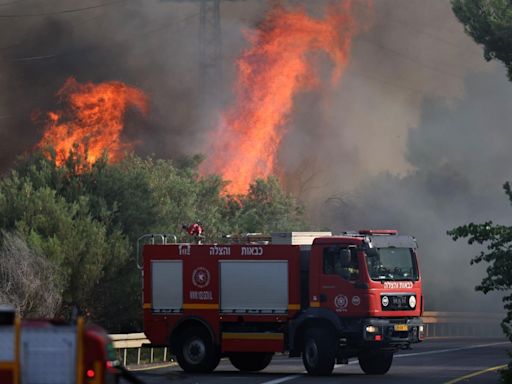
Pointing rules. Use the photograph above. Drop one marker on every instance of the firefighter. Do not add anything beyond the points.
(345, 266)
(195, 230)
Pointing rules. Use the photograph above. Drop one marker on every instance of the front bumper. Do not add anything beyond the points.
(394, 332)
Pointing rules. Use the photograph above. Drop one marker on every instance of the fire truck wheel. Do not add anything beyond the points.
(319, 353)
(376, 363)
(196, 352)
(251, 361)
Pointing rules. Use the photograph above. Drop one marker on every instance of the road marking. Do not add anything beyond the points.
(492, 369)
(163, 365)
(351, 362)
(282, 379)
(450, 349)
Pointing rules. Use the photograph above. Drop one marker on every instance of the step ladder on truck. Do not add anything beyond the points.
(51, 352)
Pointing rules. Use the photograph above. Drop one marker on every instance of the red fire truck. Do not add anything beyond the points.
(42, 351)
(323, 297)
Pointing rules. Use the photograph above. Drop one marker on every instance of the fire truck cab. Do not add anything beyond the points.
(323, 297)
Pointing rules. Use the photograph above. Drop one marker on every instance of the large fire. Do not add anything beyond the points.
(92, 120)
(270, 73)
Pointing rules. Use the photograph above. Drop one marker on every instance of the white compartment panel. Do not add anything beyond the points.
(167, 287)
(254, 285)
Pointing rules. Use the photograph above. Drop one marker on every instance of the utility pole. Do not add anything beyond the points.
(210, 49)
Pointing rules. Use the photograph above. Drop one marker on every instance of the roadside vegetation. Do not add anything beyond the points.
(68, 233)
(496, 241)
(489, 23)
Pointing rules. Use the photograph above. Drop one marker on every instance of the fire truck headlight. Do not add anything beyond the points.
(385, 301)
(371, 329)
(412, 301)
(421, 328)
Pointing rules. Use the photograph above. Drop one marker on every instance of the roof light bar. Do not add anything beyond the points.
(371, 232)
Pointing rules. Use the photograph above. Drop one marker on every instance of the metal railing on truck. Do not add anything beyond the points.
(152, 238)
(130, 349)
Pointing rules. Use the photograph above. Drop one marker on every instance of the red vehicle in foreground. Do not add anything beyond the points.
(42, 351)
(323, 297)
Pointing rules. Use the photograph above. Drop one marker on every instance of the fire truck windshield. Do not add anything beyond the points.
(392, 264)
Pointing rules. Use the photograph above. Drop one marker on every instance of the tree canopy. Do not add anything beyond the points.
(488, 22)
(82, 222)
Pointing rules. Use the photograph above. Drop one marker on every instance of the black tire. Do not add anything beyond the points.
(196, 352)
(376, 362)
(319, 351)
(251, 361)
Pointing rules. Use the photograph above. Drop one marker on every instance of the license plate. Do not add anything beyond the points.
(399, 301)
(401, 327)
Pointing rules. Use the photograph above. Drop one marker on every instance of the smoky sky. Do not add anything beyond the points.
(151, 45)
(414, 136)
(461, 160)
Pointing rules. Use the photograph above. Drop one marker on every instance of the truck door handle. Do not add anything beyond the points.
(361, 285)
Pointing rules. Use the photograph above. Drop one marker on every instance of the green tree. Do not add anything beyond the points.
(266, 208)
(86, 219)
(496, 241)
(65, 232)
(488, 22)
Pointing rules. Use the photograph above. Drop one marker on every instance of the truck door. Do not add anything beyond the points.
(339, 273)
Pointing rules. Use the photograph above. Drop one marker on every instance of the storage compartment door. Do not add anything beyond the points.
(254, 286)
(167, 285)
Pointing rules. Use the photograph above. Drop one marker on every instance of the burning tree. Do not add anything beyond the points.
(91, 120)
(278, 65)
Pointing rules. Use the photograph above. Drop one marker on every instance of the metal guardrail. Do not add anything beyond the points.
(437, 324)
(134, 341)
(463, 324)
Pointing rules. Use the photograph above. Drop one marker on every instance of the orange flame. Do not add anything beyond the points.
(92, 121)
(270, 73)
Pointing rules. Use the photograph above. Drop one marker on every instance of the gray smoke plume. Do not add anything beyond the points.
(415, 138)
(460, 158)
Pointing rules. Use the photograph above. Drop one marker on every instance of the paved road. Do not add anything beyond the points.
(434, 361)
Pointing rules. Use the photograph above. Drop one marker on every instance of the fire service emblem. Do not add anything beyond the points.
(201, 277)
(341, 302)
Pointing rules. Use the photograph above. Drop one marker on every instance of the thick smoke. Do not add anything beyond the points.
(415, 136)
(148, 44)
(460, 158)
